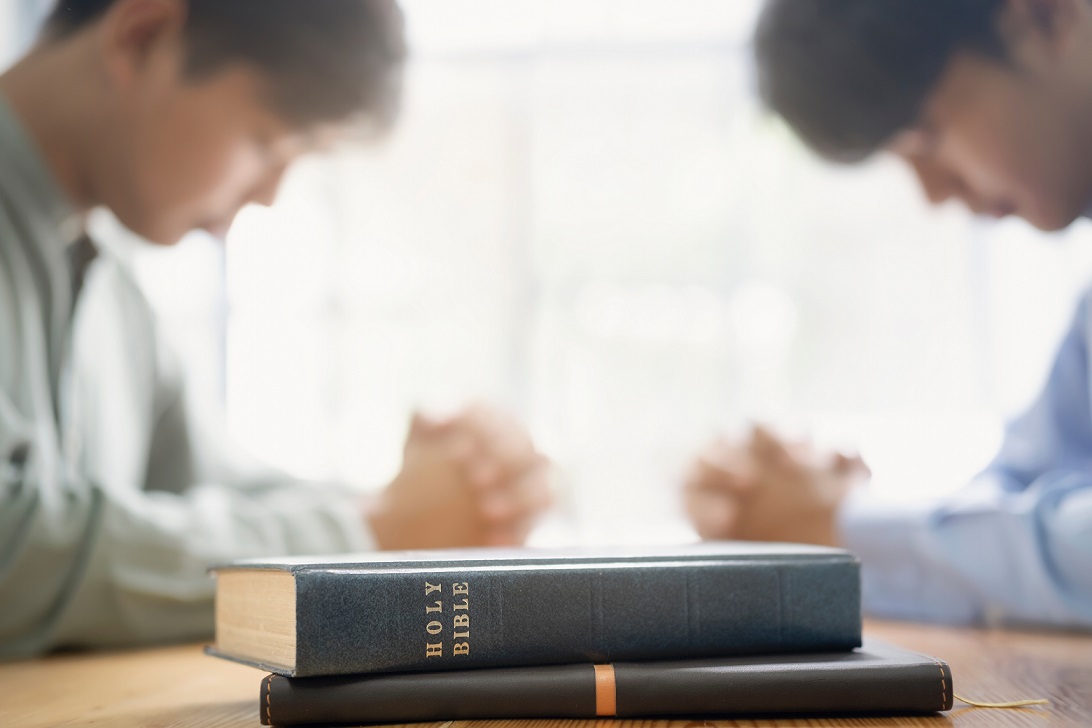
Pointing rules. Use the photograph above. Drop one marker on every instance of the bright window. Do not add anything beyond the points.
(584, 216)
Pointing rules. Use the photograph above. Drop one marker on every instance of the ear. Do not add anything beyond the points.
(1053, 23)
(132, 32)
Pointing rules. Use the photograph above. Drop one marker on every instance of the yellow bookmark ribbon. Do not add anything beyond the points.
(1012, 704)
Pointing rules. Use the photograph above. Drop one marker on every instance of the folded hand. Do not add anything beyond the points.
(472, 479)
(765, 489)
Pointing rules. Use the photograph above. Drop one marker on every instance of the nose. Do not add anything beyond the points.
(265, 194)
(939, 184)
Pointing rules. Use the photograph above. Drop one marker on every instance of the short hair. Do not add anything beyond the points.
(849, 75)
(327, 60)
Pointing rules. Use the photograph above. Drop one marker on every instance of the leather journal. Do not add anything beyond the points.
(876, 678)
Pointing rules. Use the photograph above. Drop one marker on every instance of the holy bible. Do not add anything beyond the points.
(876, 679)
(453, 610)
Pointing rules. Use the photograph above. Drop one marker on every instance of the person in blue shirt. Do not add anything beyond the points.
(990, 103)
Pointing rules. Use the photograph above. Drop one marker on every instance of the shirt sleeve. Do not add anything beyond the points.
(1015, 546)
(86, 565)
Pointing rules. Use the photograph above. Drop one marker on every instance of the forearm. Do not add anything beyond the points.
(104, 571)
(986, 555)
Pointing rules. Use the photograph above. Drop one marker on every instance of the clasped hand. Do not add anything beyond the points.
(765, 489)
(473, 479)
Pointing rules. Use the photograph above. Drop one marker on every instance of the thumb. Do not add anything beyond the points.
(422, 425)
(851, 464)
(767, 447)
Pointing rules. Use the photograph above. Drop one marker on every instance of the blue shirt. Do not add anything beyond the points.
(1015, 546)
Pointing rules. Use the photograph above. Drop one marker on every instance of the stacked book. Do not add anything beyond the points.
(712, 629)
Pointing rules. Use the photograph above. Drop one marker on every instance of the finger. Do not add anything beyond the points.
(494, 470)
(511, 525)
(713, 515)
(486, 472)
(850, 471)
(498, 507)
(479, 463)
(842, 462)
(701, 475)
(724, 454)
(857, 464)
(737, 480)
(525, 496)
(768, 448)
(515, 529)
(423, 425)
(502, 436)
(445, 442)
(802, 450)
(538, 488)
(509, 535)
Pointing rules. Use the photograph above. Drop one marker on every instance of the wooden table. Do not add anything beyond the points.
(179, 686)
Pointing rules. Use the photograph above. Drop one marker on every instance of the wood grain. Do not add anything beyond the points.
(180, 686)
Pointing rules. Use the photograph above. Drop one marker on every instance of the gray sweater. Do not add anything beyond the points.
(113, 503)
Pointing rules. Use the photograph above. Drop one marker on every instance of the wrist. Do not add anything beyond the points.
(827, 531)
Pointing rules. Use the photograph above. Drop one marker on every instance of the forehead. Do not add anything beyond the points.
(970, 85)
(244, 96)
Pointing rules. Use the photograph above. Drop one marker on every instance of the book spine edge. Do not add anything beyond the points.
(838, 633)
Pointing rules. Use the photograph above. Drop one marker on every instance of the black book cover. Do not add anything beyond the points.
(875, 679)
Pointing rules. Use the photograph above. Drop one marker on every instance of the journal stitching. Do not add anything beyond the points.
(943, 683)
(943, 680)
(268, 700)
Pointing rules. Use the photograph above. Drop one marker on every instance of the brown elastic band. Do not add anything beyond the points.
(606, 693)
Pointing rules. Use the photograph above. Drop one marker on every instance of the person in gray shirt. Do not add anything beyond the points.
(174, 114)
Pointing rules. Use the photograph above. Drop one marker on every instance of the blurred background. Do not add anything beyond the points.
(584, 216)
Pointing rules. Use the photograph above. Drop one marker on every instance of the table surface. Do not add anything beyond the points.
(180, 686)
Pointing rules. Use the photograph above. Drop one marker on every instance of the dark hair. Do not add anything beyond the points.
(327, 60)
(848, 75)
